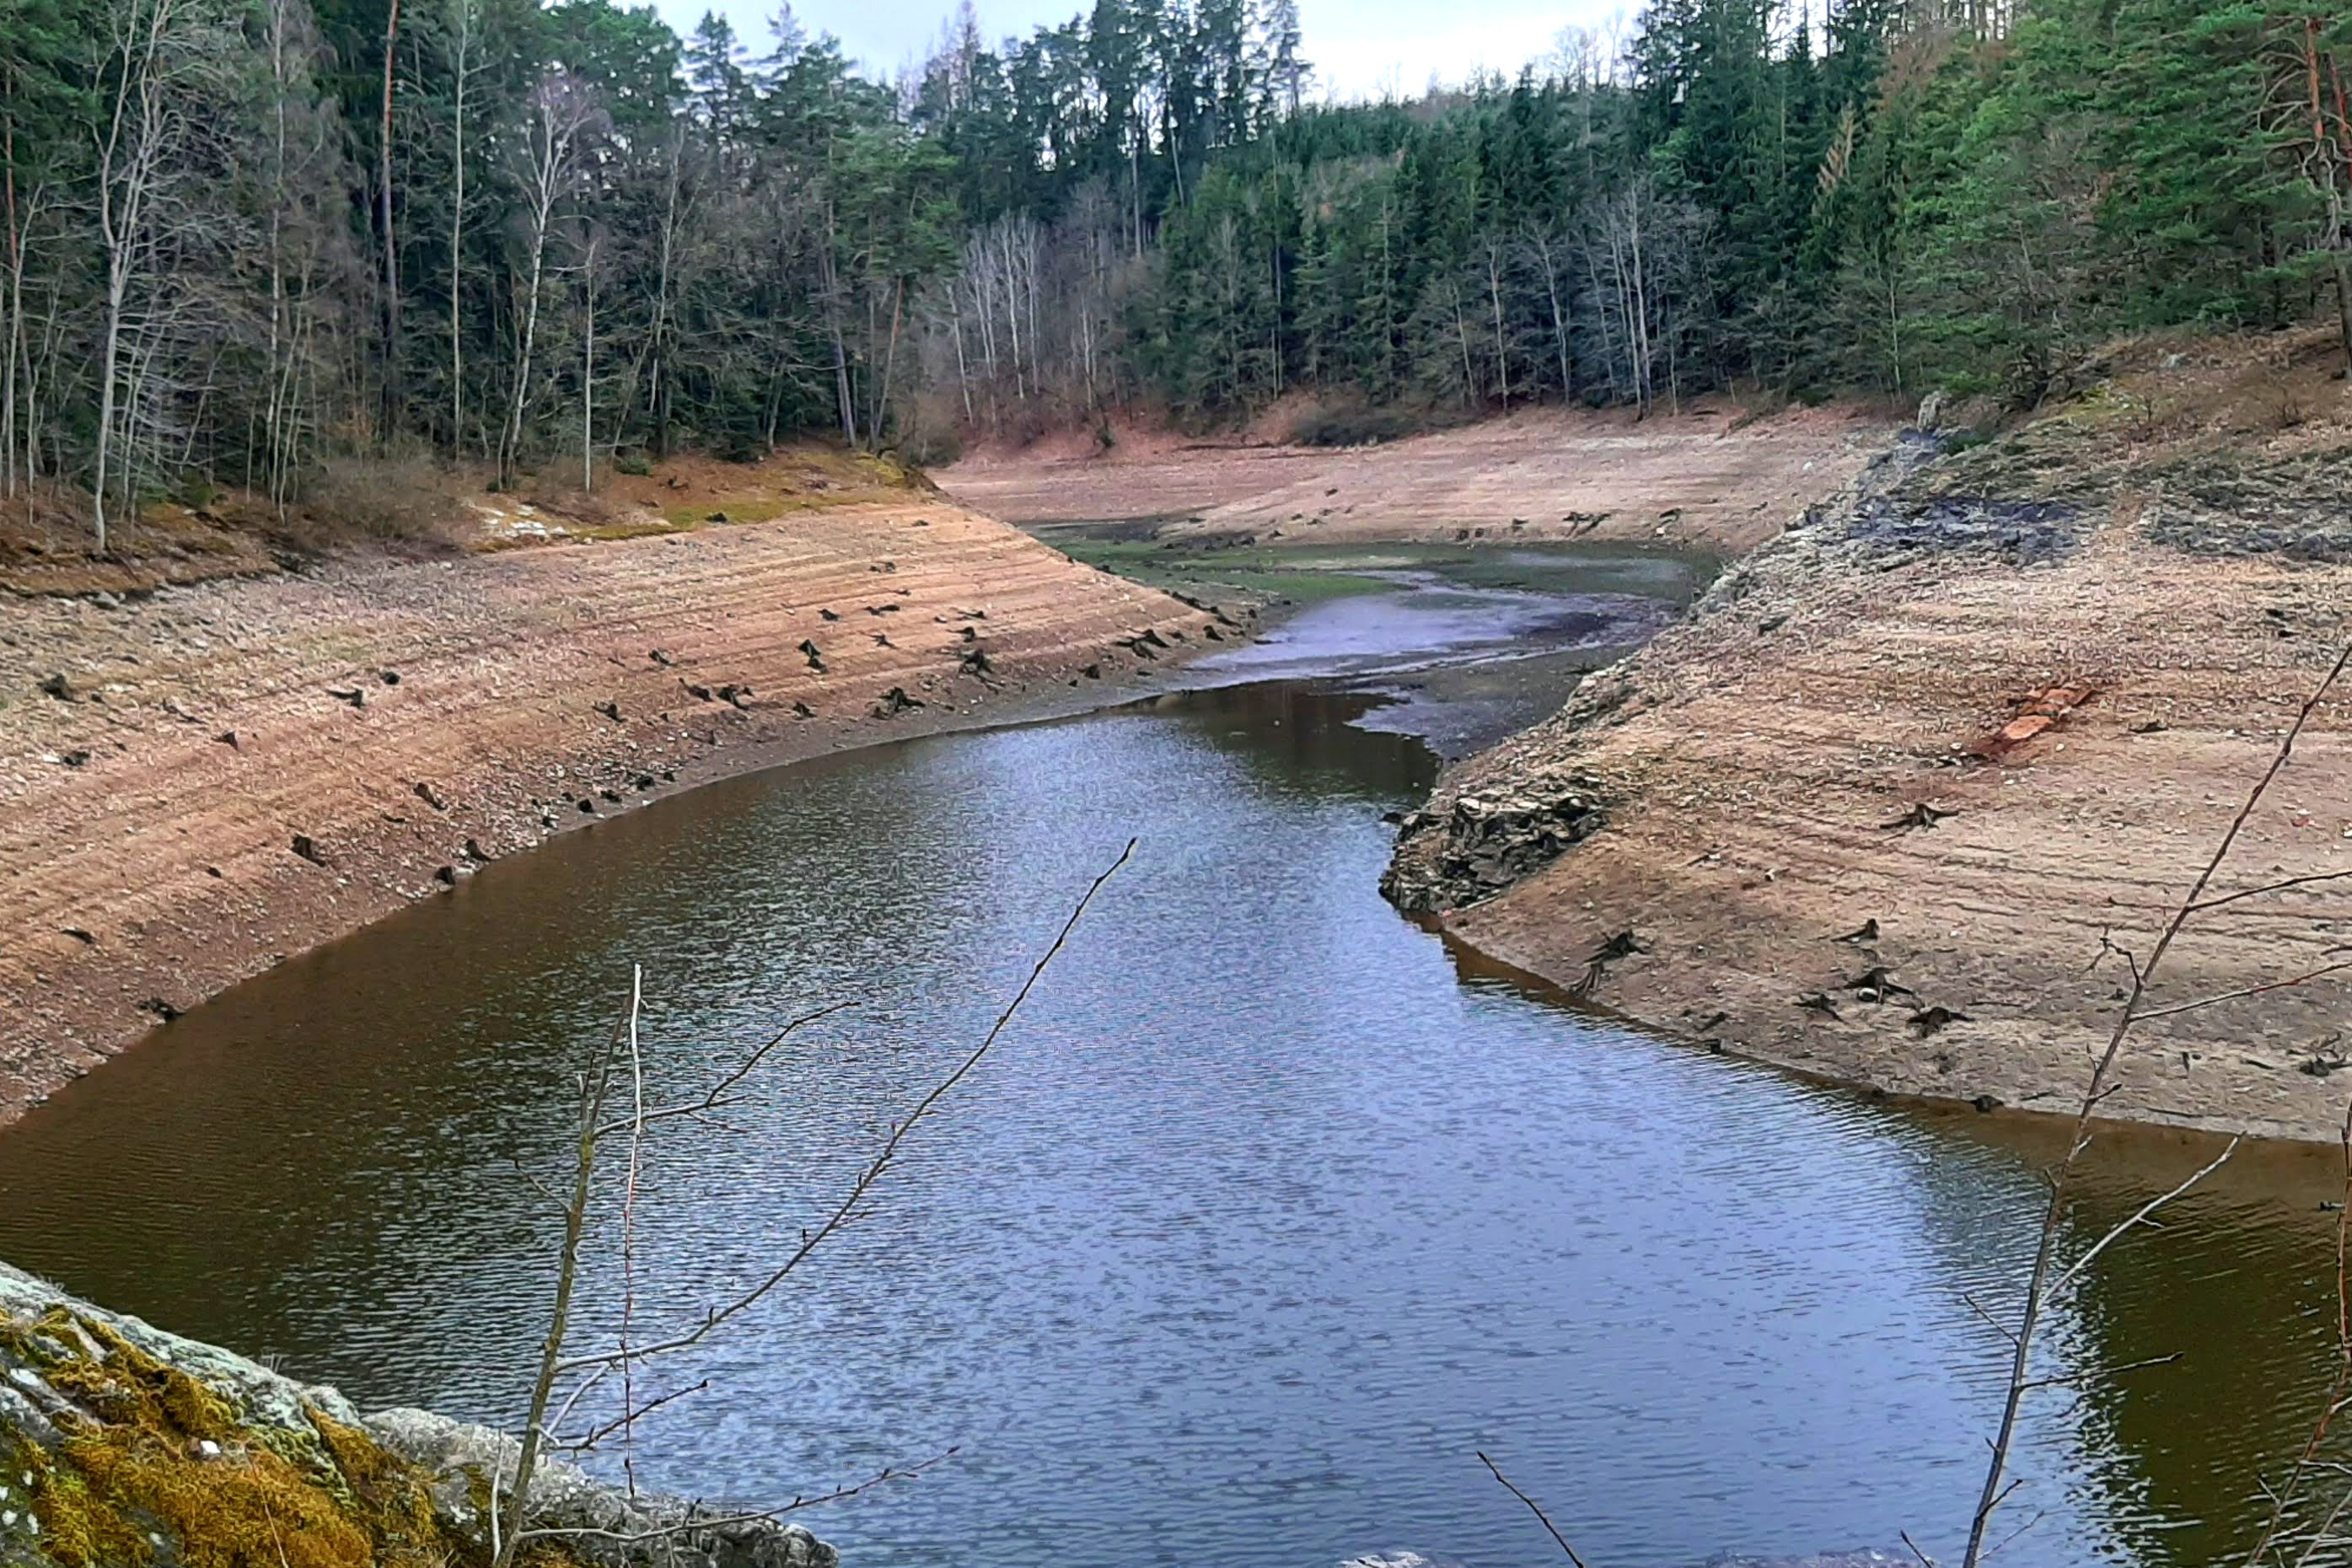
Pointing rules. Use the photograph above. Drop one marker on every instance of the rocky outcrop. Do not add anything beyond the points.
(1480, 845)
(122, 1446)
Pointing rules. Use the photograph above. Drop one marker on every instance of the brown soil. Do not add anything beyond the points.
(1719, 479)
(147, 860)
(2089, 704)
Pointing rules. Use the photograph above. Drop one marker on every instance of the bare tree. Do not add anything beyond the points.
(465, 22)
(391, 307)
(562, 112)
(145, 52)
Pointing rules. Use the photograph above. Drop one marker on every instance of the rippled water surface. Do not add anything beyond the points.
(1268, 1212)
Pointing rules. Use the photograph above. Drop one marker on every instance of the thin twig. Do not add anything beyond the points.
(629, 1235)
(2283, 1498)
(1534, 1508)
(2141, 1215)
(626, 1422)
(847, 1209)
(2204, 1002)
(2098, 1372)
(2279, 887)
(756, 1516)
(2061, 1178)
(718, 1097)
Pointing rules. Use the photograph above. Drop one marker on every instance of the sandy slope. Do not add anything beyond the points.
(1753, 763)
(147, 862)
(1701, 480)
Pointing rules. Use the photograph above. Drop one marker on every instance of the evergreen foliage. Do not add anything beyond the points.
(242, 237)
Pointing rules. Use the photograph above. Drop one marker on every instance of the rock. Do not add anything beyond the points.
(1931, 413)
(80, 1387)
(458, 1459)
(1480, 846)
(163, 1011)
(228, 737)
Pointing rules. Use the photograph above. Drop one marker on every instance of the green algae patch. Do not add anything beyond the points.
(150, 1464)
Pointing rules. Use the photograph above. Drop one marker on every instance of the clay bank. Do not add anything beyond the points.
(200, 781)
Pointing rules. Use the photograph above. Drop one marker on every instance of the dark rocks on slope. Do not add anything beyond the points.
(1482, 844)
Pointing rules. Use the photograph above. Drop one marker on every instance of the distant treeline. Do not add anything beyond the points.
(245, 237)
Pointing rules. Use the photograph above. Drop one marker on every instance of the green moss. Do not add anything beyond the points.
(163, 1457)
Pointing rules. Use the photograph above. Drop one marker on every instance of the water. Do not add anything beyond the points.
(1267, 1215)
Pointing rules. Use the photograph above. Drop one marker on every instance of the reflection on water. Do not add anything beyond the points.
(1266, 1216)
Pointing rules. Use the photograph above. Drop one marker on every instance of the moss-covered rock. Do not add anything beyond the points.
(125, 1447)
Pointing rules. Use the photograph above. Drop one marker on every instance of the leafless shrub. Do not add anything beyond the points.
(409, 500)
(615, 1074)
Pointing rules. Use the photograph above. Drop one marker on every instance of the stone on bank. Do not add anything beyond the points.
(125, 1447)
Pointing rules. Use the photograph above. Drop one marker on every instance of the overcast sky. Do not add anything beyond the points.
(1360, 49)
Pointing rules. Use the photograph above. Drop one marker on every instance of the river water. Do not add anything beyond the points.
(1268, 1212)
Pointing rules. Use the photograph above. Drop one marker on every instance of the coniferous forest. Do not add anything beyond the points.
(246, 238)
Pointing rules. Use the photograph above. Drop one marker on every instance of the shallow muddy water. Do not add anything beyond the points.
(1268, 1214)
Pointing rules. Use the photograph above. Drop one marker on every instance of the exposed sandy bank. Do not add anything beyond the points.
(1715, 480)
(148, 861)
(1755, 767)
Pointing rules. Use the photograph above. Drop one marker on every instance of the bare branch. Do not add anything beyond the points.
(689, 1526)
(2037, 1289)
(846, 1210)
(2140, 1216)
(2283, 1498)
(1534, 1508)
(2204, 1002)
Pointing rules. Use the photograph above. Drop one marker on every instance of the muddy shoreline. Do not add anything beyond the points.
(243, 770)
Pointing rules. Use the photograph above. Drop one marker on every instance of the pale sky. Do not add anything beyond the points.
(1360, 49)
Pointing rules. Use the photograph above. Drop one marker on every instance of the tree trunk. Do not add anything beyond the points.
(457, 236)
(588, 381)
(384, 219)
